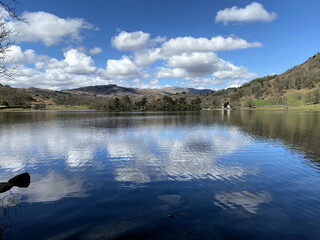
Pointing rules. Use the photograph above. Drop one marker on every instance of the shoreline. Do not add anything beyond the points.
(315, 107)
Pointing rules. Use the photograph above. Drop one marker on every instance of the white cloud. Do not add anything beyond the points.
(84, 49)
(78, 63)
(145, 57)
(58, 78)
(137, 80)
(197, 63)
(95, 50)
(203, 82)
(56, 75)
(123, 68)
(152, 84)
(75, 62)
(236, 83)
(189, 44)
(251, 13)
(130, 41)
(195, 68)
(233, 72)
(188, 58)
(16, 56)
(170, 73)
(48, 28)
(156, 40)
(53, 63)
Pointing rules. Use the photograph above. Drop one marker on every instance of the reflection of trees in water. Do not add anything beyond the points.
(298, 130)
(10, 208)
(8, 201)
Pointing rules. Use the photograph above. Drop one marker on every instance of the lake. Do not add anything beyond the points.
(195, 175)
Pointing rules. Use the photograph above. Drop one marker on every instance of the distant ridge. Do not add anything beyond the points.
(174, 90)
(115, 90)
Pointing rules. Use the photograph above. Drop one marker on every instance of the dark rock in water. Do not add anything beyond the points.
(21, 180)
(172, 216)
(5, 186)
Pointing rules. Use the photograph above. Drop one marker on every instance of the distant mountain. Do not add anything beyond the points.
(114, 90)
(111, 89)
(174, 90)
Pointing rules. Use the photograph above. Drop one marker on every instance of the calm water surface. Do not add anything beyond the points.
(207, 175)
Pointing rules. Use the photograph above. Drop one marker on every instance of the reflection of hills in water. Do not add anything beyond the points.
(142, 149)
(299, 130)
(145, 147)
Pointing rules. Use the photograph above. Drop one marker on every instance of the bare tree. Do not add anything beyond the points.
(6, 33)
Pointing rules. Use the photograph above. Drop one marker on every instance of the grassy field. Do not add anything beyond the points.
(15, 109)
(314, 107)
(49, 107)
(260, 105)
(294, 99)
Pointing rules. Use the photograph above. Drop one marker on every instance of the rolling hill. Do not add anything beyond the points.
(298, 85)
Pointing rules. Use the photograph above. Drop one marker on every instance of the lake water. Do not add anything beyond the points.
(201, 175)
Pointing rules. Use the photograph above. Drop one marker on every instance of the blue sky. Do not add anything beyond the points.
(154, 44)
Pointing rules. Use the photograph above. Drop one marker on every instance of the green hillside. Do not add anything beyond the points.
(299, 85)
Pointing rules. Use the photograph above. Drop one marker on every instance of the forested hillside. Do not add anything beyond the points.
(298, 85)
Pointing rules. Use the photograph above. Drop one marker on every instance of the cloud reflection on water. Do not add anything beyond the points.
(136, 154)
(247, 200)
(54, 186)
(184, 155)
